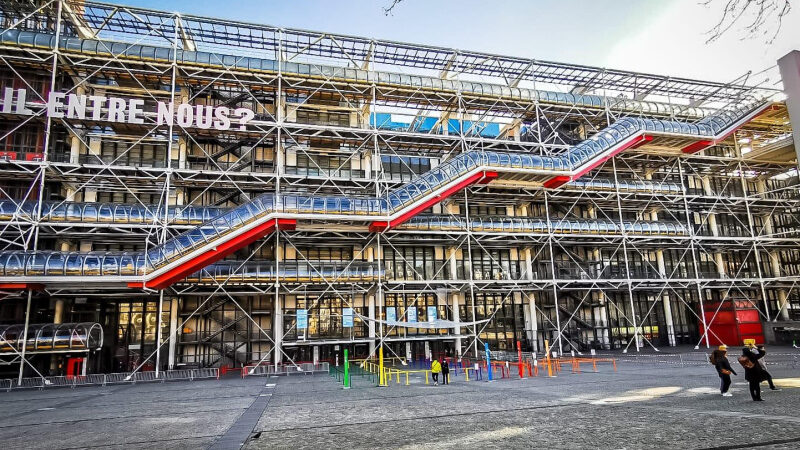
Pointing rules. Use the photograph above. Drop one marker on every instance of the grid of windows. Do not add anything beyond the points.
(325, 317)
(494, 264)
(341, 166)
(506, 323)
(420, 302)
(413, 263)
(404, 168)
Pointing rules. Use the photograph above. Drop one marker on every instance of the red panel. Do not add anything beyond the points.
(220, 251)
(722, 317)
(734, 322)
(697, 146)
(555, 182)
(378, 226)
(488, 177)
(21, 286)
(718, 335)
(748, 315)
(751, 328)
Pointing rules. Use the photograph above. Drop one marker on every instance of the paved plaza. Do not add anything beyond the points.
(650, 404)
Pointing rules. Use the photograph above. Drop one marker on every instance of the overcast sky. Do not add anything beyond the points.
(658, 36)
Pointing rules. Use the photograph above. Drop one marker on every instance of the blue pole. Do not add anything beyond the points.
(488, 361)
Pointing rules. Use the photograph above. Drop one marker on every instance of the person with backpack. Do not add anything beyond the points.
(445, 372)
(436, 368)
(764, 373)
(719, 358)
(752, 371)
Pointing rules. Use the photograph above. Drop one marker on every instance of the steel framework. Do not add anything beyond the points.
(593, 208)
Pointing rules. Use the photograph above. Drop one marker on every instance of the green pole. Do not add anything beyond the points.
(346, 371)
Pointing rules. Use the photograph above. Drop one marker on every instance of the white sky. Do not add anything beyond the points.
(686, 51)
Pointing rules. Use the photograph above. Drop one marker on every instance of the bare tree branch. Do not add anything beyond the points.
(388, 10)
(767, 16)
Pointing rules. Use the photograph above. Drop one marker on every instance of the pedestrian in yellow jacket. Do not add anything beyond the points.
(436, 368)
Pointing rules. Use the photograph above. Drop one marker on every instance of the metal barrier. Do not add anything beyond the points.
(701, 359)
(104, 379)
(305, 368)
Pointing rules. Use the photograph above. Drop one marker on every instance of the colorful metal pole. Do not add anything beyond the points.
(547, 356)
(381, 375)
(519, 359)
(488, 360)
(346, 371)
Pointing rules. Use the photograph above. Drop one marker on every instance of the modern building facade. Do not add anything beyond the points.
(221, 193)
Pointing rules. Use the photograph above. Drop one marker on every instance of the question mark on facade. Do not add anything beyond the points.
(246, 115)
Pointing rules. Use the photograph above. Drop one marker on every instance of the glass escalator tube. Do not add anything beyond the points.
(36, 263)
(104, 213)
(73, 265)
(603, 227)
(594, 228)
(56, 264)
(8, 210)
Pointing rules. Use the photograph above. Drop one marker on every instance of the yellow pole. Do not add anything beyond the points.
(382, 376)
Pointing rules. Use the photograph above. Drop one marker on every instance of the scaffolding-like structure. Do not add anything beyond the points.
(587, 207)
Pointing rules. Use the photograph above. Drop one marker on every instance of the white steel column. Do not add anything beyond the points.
(690, 229)
(665, 299)
(371, 324)
(455, 305)
(277, 320)
(173, 332)
(625, 257)
(23, 361)
(158, 330)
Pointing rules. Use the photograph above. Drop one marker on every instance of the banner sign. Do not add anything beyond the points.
(302, 319)
(411, 313)
(347, 317)
(391, 314)
(432, 314)
(128, 110)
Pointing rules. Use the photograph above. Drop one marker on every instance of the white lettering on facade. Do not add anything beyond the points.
(132, 111)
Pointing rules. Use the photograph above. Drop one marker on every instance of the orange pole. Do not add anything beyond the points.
(547, 357)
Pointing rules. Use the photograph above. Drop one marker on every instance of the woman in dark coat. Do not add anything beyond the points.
(753, 374)
(724, 370)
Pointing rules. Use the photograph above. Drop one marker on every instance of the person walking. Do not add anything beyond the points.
(764, 373)
(719, 358)
(445, 372)
(436, 368)
(752, 371)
